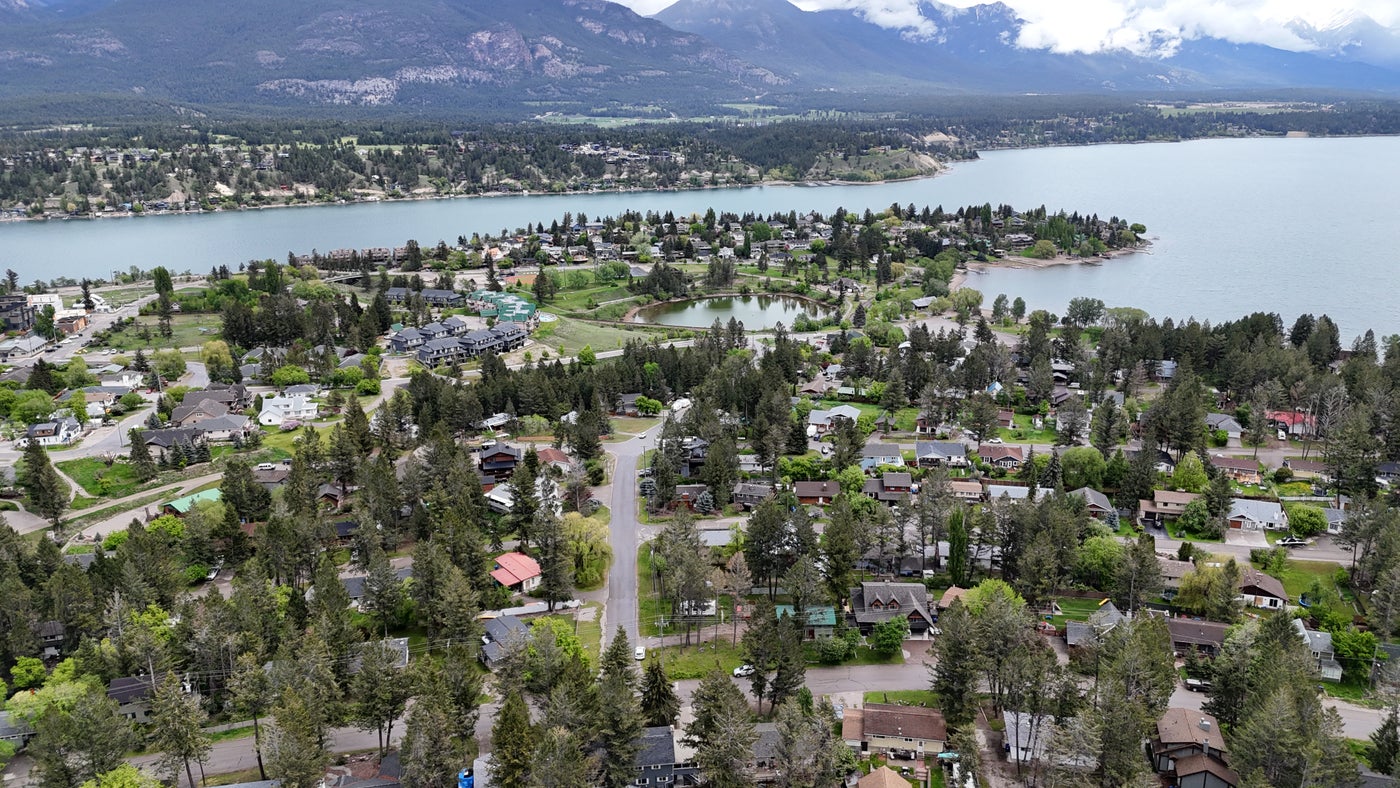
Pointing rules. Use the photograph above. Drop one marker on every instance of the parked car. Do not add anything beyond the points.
(994, 440)
(640, 653)
(1197, 685)
(1292, 541)
(743, 670)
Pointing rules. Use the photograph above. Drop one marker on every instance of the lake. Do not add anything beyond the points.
(754, 311)
(1285, 225)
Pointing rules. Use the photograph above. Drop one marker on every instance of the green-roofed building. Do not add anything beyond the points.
(506, 307)
(182, 506)
(821, 620)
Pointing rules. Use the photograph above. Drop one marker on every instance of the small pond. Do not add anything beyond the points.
(756, 312)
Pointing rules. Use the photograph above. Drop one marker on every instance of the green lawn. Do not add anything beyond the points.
(1176, 533)
(100, 480)
(1024, 431)
(912, 697)
(90, 517)
(1073, 609)
(625, 425)
(566, 337)
(650, 608)
(186, 333)
(694, 661)
(865, 656)
(590, 633)
(1298, 577)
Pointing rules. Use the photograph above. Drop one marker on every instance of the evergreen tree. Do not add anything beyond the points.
(432, 753)
(296, 755)
(48, 495)
(1385, 742)
(176, 722)
(954, 675)
(556, 583)
(512, 742)
(139, 457)
(619, 717)
(660, 704)
(381, 690)
(721, 733)
(74, 744)
(251, 691)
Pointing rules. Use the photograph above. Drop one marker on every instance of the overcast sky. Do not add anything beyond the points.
(1138, 25)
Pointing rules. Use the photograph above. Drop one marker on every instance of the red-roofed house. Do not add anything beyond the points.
(517, 571)
(1291, 421)
(555, 458)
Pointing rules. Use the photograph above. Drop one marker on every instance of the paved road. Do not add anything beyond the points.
(622, 576)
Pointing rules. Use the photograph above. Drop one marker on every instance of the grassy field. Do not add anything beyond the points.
(625, 425)
(1073, 609)
(90, 517)
(911, 697)
(189, 331)
(590, 633)
(694, 662)
(1298, 577)
(1024, 431)
(566, 337)
(100, 480)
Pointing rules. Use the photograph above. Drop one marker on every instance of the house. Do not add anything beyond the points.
(499, 461)
(885, 422)
(14, 730)
(1165, 505)
(189, 415)
(307, 390)
(333, 496)
(662, 760)
(497, 635)
(448, 350)
(1217, 422)
(874, 602)
(877, 454)
(133, 697)
(1191, 633)
(182, 506)
(966, 491)
(1006, 419)
(406, 340)
(815, 493)
(495, 421)
(751, 494)
(693, 453)
(554, 458)
(933, 454)
(1079, 634)
(821, 422)
(1320, 646)
(355, 585)
(1095, 502)
(225, 428)
(951, 595)
(883, 777)
(688, 495)
(889, 488)
(627, 405)
(1189, 750)
(820, 620)
(433, 296)
(881, 727)
(164, 439)
(57, 432)
(1308, 469)
(1291, 423)
(1336, 518)
(816, 386)
(51, 635)
(1242, 470)
(1015, 492)
(279, 410)
(1172, 572)
(1260, 590)
(1025, 735)
(1251, 515)
(1007, 457)
(517, 571)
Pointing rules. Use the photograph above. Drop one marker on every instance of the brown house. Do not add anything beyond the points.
(890, 488)
(882, 727)
(1002, 456)
(1241, 469)
(1190, 751)
(1165, 505)
(815, 493)
(1261, 590)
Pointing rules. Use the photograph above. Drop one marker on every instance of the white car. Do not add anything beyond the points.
(994, 440)
(743, 670)
(639, 653)
(1292, 541)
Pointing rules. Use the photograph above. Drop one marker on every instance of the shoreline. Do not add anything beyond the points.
(960, 277)
(814, 184)
(631, 313)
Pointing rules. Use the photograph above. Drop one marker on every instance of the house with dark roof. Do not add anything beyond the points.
(1172, 573)
(1191, 633)
(1261, 590)
(1320, 647)
(497, 635)
(1165, 505)
(1007, 457)
(877, 454)
(816, 493)
(889, 488)
(1217, 422)
(751, 494)
(1190, 751)
(14, 730)
(874, 602)
(1240, 469)
(660, 761)
(499, 461)
(406, 340)
(133, 696)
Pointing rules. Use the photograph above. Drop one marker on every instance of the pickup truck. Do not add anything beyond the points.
(1197, 685)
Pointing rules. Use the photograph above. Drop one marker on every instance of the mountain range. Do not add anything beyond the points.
(591, 55)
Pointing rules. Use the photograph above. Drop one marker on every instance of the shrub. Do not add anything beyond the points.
(1283, 475)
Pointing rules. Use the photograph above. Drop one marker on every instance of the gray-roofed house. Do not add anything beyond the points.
(1191, 633)
(406, 340)
(1226, 422)
(14, 729)
(889, 488)
(659, 760)
(932, 454)
(1083, 633)
(133, 697)
(1251, 515)
(874, 602)
(751, 494)
(498, 633)
(1320, 647)
(1097, 503)
(1012, 491)
(883, 454)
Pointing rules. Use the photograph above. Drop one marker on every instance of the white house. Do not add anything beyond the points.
(58, 432)
(277, 410)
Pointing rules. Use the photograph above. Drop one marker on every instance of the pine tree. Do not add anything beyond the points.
(721, 733)
(381, 690)
(660, 704)
(556, 584)
(1385, 742)
(512, 742)
(431, 750)
(619, 718)
(954, 676)
(560, 763)
(48, 495)
(176, 722)
(139, 457)
(296, 755)
(252, 692)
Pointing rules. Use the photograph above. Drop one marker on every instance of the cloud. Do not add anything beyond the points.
(1146, 27)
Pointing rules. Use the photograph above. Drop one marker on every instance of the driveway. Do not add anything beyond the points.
(1250, 539)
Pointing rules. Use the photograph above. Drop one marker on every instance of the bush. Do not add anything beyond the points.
(833, 650)
(1220, 438)
(1283, 475)
(888, 637)
(114, 540)
(195, 573)
(367, 388)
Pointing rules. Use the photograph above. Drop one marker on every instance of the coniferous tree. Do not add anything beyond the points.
(660, 704)
(139, 456)
(619, 714)
(432, 752)
(296, 754)
(556, 584)
(380, 690)
(954, 675)
(176, 722)
(251, 691)
(72, 745)
(48, 495)
(721, 733)
(512, 742)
